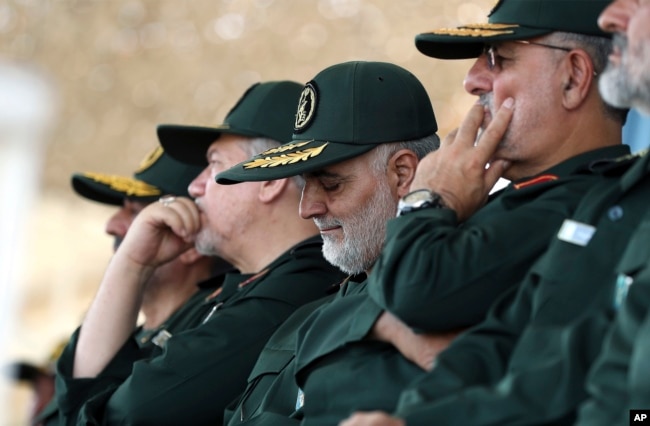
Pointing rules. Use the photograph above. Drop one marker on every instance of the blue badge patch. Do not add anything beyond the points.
(575, 232)
(623, 283)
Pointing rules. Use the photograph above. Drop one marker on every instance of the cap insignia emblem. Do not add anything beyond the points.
(285, 159)
(151, 158)
(306, 108)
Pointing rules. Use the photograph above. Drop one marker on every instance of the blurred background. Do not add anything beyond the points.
(84, 83)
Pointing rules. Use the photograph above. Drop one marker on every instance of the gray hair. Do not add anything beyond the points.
(420, 147)
(598, 49)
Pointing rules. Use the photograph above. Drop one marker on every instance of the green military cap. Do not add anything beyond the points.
(264, 110)
(158, 174)
(346, 110)
(514, 20)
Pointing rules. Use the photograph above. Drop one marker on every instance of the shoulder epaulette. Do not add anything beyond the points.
(616, 165)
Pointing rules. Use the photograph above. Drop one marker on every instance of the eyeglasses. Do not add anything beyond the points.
(491, 53)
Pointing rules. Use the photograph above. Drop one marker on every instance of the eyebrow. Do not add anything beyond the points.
(501, 47)
(332, 176)
(323, 173)
(210, 153)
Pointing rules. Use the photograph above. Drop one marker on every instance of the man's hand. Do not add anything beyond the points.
(458, 171)
(372, 418)
(161, 232)
(421, 349)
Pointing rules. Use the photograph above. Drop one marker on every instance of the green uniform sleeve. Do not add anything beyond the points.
(436, 275)
(474, 383)
(527, 362)
(200, 370)
(476, 356)
(70, 391)
(188, 316)
(217, 356)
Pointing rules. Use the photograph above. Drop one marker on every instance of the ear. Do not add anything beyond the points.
(578, 79)
(272, 189)
(190, 256)
(401, 170)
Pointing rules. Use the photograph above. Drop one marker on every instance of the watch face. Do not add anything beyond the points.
(414, 201)
(418, 196)
(417, 200)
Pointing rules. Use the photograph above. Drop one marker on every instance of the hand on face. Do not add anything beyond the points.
(161, 232)
(458, 170)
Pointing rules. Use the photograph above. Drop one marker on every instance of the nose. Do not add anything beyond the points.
(119, 223)
(196, 188)
(478, 80)
(615, 17)
(311, 204)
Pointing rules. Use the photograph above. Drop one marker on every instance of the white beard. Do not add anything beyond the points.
(364, 233)
(627, 84)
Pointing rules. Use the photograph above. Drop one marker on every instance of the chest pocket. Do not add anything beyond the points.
(577, 278)
(270, 387)
(275, 360)
(591, 271)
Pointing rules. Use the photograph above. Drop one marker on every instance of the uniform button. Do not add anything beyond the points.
(615, 213)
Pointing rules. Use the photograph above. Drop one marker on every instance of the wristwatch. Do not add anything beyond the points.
(418, 200)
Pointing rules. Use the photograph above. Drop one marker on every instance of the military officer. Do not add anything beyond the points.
(174, 297)
(163, 308)
(360, 130)
(254, 227)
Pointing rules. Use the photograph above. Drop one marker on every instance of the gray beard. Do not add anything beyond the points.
(626, 85)
(363, 234)
(205, 243)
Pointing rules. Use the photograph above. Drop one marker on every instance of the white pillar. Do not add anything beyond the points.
(26, 113)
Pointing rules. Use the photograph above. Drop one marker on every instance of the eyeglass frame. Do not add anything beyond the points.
(488, 51)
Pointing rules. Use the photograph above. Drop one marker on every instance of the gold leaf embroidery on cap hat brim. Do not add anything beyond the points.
(285, 159)
(128, 186)
(477, 30)
(150, 159)
(283, 148)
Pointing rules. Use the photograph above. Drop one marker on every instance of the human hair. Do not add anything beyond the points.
(255, 146)
(420, 147)
(598, 49)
